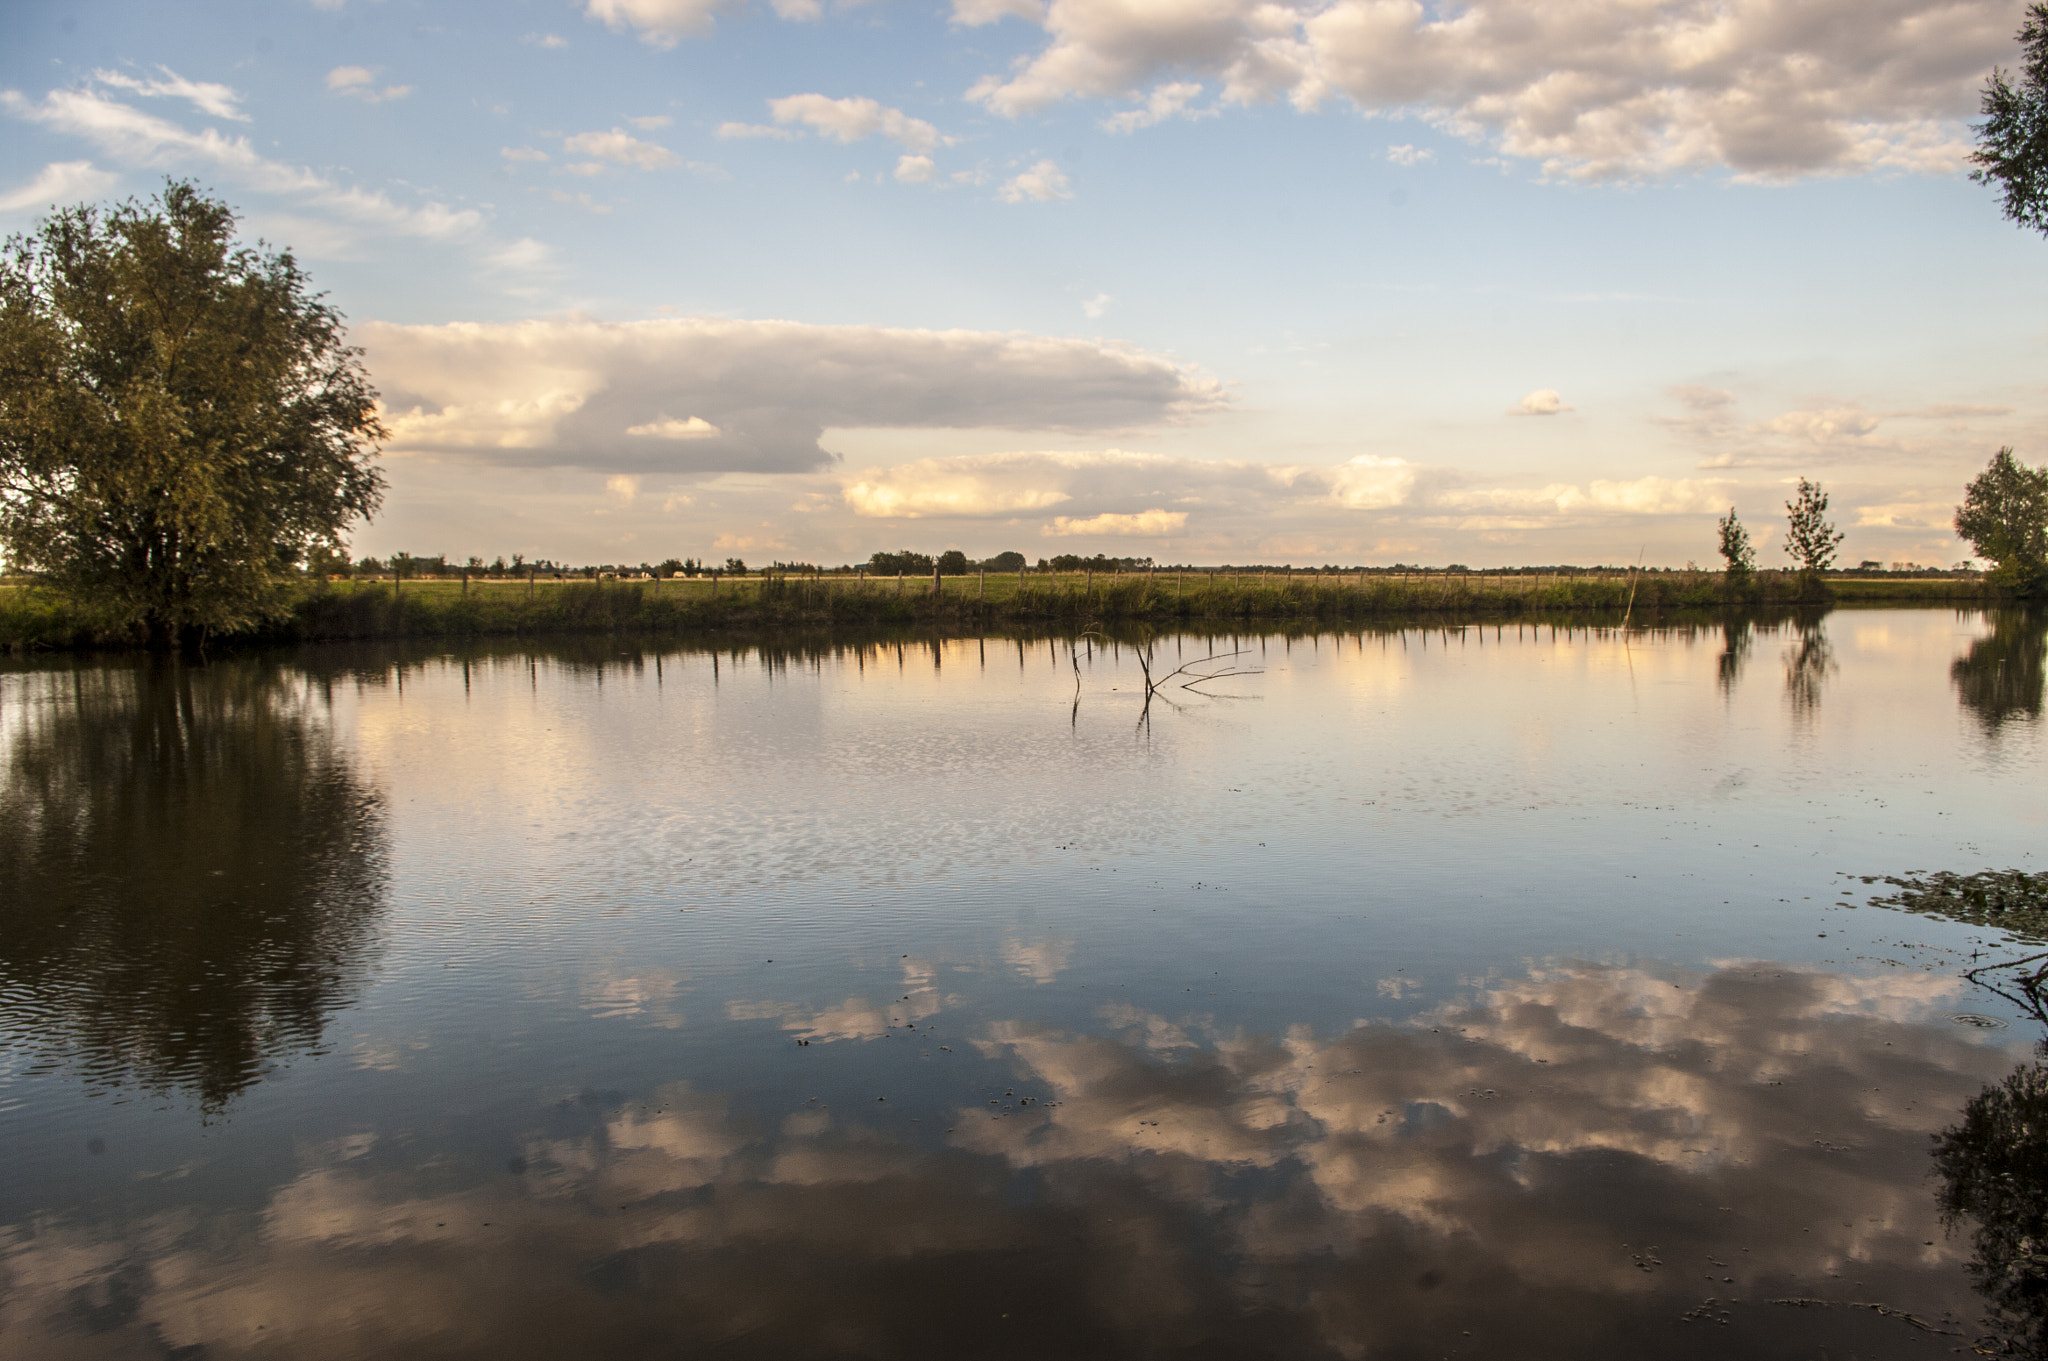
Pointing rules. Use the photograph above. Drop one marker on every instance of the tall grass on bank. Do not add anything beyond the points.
(323, 611)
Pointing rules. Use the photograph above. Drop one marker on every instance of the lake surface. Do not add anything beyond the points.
(1439, 992)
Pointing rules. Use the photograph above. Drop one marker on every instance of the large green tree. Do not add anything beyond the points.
(2004, 516)
(2012, 141)
(182, 420)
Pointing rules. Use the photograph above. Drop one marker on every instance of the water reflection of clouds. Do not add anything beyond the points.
(855, 1018)
(1569, 1158)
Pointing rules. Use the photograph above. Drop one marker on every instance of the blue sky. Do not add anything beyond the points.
(1205, 280)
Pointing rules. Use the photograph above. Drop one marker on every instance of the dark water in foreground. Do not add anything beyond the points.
(1430, 994)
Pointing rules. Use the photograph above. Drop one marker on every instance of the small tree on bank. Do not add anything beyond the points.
(181, 420)
(2004, 516)
(1736, 550)
(1810, 539)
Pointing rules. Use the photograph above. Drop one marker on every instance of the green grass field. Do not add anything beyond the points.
(32, 619)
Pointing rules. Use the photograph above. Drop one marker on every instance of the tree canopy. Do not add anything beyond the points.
(2012, 141)
(181, 419)
(2004, 516)
(1735, 547)
(1810, 537)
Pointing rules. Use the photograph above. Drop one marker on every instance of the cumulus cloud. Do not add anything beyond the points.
(360, 82)
(1153, 523)
(1166, 101)
(660, 23)
(129, 135)
(854, 120)
(57, 184)
(1541, 402)
(206, 96)
(1097, 305)
(667, 427)
(1405, 154)
(1006, 485)
(1606, 89)
(1042, 183)
(567, 393)
(755, 130)
(915, 169)
(621, 148)
(1822, 432)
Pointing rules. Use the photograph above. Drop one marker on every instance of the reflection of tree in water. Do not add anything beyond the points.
(1737, 636)
(1994, 1170)
(191, 875)
(2001, 677)
(1808, 664)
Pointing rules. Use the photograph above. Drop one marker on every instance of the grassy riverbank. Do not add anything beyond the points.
(32, 619)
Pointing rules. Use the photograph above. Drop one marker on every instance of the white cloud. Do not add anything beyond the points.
(621, 147)
(1602, 89)
(568, 392)
(547, 40)
(651, 122)
(660, 23)
(1824, 426)
(1404, 154)
(975, 13)
(522, 153)
(1144, 524)
(1541, 402)
(622, 487)
(522, 256)
(1915, 515)
(127, 134)
(916, 169)
(360, 82)
(668, 427)
(1097, 305)
(1371, 483)
(1166, 101)
(57, 184)
(1042, 183)
(853, 120)
(207, 97)
(755, 130)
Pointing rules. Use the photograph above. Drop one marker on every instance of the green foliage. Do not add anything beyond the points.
(2012, 141)
(735, 567)
(2004, 516)
(181, 420)
(1011, 561)
(1810, 538)
(906, 563)
(952, 563)
(1736, 550)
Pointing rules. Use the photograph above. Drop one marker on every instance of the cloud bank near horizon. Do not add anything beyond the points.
(708, 395)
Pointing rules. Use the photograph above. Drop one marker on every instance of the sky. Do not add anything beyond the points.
(1206, 281)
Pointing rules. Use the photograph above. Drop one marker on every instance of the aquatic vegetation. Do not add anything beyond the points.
(2013, 901)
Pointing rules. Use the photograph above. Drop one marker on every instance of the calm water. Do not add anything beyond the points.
(1437, 993)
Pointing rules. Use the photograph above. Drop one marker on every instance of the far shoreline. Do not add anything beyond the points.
(451, 608)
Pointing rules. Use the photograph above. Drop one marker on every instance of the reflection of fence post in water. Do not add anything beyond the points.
(191, 874)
